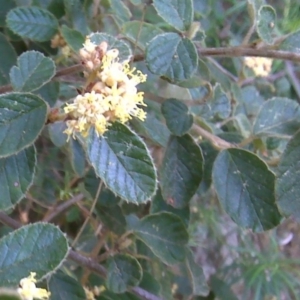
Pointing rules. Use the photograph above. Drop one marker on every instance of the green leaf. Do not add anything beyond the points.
(158, 204)
(7, 294)
(216, 108)
(56, 133)
(73, 38)
(278, 117)
(64, 287)
(120, 11)
(165, 234)
(178, 14)
(112, 217)
(171, 56)
(33, 23)
(16, 176)
(33, 70)
(177, 116)
(77, 157)
(245, 188)
(49, 92)
(124, 50)
(140, 33)
(23, 116)
(6, 6)
(221, 289)
(287, 182)
(123, 271)
(198, 281)
(266, 19)
(181, 170)
(38, 247)
(75, 12)
(8, 58)
(291, 43)
(122, 161)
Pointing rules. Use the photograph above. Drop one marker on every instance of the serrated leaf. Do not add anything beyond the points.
(123, 271)
(64, 287)
(266, 19)
(37, 247)
(121, 160)
(140, 33)
(73, 38)
(287, 182)
(33, 70)
(16, 176)
(171, 56)
(178, 14)
(124, 50)
(49, 92)
(112, 217)
(165, 234)
(120, 10)
(181, 170)
(8, 58)
(9, 294)
(158, 204)
(177, 116)
(278, 117)
(33, 23)
(23, 116)
(291, 43)
(198, 281)
(245, 188)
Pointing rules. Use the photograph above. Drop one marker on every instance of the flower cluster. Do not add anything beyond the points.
(111, 94)
(261, 66)
(29, 291)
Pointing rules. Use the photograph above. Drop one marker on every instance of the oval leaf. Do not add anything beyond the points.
(165, 234)
(64, 287)
(266, 19)
(177, 116)
(38, 247)
(178, 14)
(287, 186)
(123, 271)
(16, 176)
(292, 42)
(22, 118)
(124, 50)
(121, 160)
(278, 117)
(32, 22)
(73, 38)
(181, 170)
(171, 56)
(33, 71)
(245, 188)
(8, 58)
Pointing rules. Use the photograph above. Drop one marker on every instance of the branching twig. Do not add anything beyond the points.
(293, 77)
(83, 261)
(62, 207)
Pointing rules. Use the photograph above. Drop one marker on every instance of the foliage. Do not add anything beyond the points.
(120, 186)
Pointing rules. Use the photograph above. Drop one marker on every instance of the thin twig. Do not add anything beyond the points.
(222, 69)
(7, 220)
(215, 140)
(270, 78)
(62, 207)
(89, 216)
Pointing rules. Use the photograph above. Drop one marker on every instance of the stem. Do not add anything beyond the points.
(62, 207)
(293, 77)
(89, 216)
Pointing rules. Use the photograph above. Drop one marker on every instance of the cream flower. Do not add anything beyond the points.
(261, 66)
(29, 291)
(113, 95)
